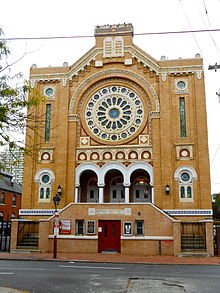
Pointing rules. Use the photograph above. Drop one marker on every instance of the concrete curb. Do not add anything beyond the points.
(111, 262)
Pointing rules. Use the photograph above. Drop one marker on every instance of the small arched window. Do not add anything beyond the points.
(185, 176)
(45, 178)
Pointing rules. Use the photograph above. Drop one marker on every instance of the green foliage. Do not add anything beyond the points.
(17, 103)
(216, 206)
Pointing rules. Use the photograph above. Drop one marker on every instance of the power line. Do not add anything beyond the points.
(191, 28)
(92, 36)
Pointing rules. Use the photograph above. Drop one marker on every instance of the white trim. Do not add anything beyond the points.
(39, 212)
(185, 168)
(146, 237)
(41, 171)
(60, 236)
(190, 212)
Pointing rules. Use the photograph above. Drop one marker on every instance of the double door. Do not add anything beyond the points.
(109, 235)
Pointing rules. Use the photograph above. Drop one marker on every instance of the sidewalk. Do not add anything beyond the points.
(113, 258)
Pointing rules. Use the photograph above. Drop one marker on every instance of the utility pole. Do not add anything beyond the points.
(218, 94)
(216, 66)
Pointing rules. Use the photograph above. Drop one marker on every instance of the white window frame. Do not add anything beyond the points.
(94, 227)
(44, 186)
(185, 184)
(136, 227)
(77, 226)
(124, 228)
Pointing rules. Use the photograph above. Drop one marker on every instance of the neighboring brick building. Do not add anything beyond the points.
(13, 161)
(126, 138)
(10, 198)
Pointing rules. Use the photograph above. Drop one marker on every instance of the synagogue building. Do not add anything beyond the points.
(125, 140)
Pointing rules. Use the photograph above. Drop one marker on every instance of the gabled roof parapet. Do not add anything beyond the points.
(115, 29)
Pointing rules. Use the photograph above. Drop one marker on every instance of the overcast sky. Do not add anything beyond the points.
(28, 18)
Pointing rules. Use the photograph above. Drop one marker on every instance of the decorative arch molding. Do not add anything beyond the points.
(116, 73)
(102, 171)
(85, 167)
(139, 165)
(112, 166)
(42, 171)
(185, 168)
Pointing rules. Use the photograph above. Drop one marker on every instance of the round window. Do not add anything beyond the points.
(185, 177)
(181, 85)
(45, 178)
(114, 113)
(49, 92)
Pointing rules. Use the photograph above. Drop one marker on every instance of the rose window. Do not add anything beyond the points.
(114, 113)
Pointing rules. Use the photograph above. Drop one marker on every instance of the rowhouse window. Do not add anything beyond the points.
(139, 228)
(2, 198)
(79, 227)
(14, 200)
(182, 108)
(1, 217)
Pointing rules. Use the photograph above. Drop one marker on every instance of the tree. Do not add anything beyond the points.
(17, 102)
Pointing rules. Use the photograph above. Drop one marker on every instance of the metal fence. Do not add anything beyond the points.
(193, 236)
(5, 235)
(28, 232)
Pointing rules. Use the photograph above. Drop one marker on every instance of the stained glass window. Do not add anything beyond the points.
(182, 118)
(47, 122)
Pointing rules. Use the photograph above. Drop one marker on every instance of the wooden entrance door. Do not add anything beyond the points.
(109, 236)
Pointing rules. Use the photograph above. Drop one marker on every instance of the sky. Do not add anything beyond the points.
(48, 18)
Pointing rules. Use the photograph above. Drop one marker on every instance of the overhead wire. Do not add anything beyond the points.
(187, 19)
(206, 11)
(211, 36)
(213, 159)
(92, 36)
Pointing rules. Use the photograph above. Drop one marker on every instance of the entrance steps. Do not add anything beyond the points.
(109, 251)
(194, 254)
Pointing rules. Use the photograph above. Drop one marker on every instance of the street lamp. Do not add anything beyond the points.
(167, 189)
(56, 201)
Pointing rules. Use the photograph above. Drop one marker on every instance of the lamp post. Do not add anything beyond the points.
(56, 201)
(167, 189)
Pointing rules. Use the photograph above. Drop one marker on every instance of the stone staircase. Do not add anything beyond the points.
(193, 245)
(29, 241)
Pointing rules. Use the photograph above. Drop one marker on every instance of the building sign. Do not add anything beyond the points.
(56, 226)
(90, 227)
(126, 211)
(127, 228)
(36, 212)
(65, 227)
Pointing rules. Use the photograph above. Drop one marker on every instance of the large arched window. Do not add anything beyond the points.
(45, 178)
(185, 175)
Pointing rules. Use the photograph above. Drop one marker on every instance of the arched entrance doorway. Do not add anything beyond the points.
(141, 190)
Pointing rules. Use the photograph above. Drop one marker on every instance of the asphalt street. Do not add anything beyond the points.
(83, 277)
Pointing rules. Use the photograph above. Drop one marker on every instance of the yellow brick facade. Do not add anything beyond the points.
(122, 126)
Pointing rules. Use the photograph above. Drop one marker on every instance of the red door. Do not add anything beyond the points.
(109, 236)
